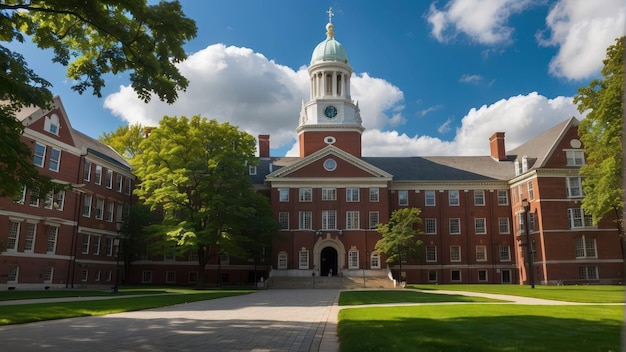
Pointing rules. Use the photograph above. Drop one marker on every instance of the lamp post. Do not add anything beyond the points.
(116, 243)
(531, 275)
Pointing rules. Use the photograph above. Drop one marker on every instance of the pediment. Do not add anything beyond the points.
(318, 166)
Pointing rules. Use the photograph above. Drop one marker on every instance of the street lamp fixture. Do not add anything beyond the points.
(116, 243)
(529, 252)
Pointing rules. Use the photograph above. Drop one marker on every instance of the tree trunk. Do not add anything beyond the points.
(203, 259)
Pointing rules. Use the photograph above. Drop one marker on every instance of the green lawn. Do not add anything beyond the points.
(349, 298)
(589, 294)
(25, 313)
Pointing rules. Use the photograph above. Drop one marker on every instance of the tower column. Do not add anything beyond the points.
(334, 84)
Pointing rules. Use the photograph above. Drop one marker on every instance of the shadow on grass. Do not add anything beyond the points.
(349, 298)
(484, 334)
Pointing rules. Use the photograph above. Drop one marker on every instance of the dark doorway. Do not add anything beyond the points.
(328, 258)
(506, 276)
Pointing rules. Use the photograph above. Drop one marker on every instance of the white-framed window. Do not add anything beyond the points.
(252, 170)
(432, 275)
(429, 198)
(586, 248)
(96, 277)
(108, 275)
(305, 194)
(108, 179)
(455, 226)
(14, 235)
(479, 197)
(329, 194)
(99, 208)
(431, 254)
(588, 273)
(109, 212)
(453, 198)
(481, 253)
(503, 197)
(53, 232)
(170, 277)
(59, 200)
(87, 171)
(455, 275)
(109, 247)
(524, 163)
(283, 220)
(505, 253)
(352, 194)
(51, 124)
(375, 260)
(480, 226)
(282, 260)
(482, 275)
(193, 277)
(520, 221)
(48, 274)
(31, 233)
(503, 226)
(49, 202)
(455, 253)
(430, 226)
(95, 245)
(146, 277)
(575, 157)
(352, 220)
(87, 205)
(303, 259)
(353, 259)
(283, 194)
(329, 219)
(55, 160)
(22, 197)
(119, 213)
(531, 190)
(578, 219)
(374, 194)
(14, 273)
(86, 241)
(574, 187)
(518, 167)
(84, 275)
(127, 185)
(403, 198)
(118, 183)
(374, 219)
(305, 218)
(40, 154)
(34, 197)
(97, 175)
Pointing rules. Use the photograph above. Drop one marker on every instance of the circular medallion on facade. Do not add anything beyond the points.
(575, 143)
(330, 164)
(329, 140)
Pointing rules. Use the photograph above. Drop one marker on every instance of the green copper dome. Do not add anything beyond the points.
(329, 49)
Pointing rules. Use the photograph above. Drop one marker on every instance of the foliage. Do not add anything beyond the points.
(400, 235)
(134, 234)
(91, 38)
(125, 140)
(601, 133)
(195, 172)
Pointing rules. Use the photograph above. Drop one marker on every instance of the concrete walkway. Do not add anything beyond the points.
(269, 320)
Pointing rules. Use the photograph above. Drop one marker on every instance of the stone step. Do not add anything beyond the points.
(284, 282)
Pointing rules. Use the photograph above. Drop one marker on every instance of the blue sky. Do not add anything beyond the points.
(431, 77)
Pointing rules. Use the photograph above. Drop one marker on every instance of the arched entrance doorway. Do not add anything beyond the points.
(328, 259)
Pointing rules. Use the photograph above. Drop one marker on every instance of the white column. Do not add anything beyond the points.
(334, 91)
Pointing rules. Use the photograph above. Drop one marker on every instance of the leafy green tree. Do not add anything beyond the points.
(195, 170)
(601, 133)
(125, 139)
(134, 234)
(93, 39)
(400, 236)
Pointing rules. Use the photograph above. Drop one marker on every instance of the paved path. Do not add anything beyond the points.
(269, 320)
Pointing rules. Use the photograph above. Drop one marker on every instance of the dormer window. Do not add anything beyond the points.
(524, 163)
(52, 124)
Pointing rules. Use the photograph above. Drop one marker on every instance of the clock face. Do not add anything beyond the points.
(330, 111)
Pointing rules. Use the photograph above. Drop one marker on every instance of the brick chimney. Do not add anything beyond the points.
(496, 144)
(264, 146)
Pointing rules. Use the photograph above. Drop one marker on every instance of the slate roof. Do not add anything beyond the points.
(101, 150)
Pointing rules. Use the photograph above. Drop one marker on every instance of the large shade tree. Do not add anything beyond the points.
(400, 237)
(92, 39)
(195, 172)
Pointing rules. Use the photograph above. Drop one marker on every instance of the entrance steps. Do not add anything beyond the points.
(339, 282)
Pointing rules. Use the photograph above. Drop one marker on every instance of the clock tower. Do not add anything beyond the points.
(330, 116)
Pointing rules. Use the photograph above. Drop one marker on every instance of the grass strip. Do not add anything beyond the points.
(484, 328)
(27, 313)
(348, 298)
(583, 294)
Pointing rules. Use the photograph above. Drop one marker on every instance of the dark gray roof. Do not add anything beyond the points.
(98, 149)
